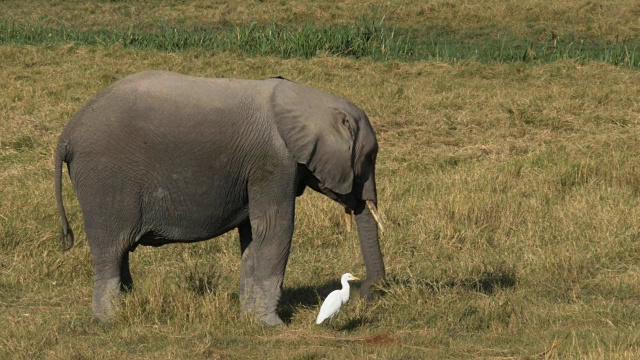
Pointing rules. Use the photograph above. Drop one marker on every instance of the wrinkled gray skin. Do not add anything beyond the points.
(159, 158)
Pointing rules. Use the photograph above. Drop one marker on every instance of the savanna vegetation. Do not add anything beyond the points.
(440, 30)
(510, 186)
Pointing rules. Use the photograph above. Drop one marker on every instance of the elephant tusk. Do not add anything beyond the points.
(374, 212)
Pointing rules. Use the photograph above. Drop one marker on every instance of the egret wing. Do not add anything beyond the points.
(330, 306)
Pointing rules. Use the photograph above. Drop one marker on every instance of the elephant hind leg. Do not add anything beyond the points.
(111, 276)
(112, 219)
(126, 282)
(247, 293)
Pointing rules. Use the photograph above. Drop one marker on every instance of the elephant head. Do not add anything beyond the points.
(334, 142)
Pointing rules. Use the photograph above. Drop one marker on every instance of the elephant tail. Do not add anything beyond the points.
(67, 234)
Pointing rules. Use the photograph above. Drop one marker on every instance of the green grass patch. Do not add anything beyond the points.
(367, 38)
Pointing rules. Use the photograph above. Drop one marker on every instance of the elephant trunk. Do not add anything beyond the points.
(370, 246)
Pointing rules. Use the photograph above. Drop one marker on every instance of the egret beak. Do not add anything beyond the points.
(356, 278)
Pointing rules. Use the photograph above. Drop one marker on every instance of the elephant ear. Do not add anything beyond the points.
(317, 133)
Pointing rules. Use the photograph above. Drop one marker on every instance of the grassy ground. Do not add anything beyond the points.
(523, 17)
(485, 31)
(511, 195)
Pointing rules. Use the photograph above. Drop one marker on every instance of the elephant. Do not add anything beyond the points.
(160, 157)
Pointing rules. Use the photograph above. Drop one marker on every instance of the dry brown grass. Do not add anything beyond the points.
(524, 18)
(511, 195)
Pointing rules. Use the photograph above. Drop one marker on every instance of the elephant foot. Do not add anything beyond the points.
(369, 291)
(271, 320)
(260, 306)
(105, 295)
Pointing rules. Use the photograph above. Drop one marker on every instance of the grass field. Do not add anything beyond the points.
(511, 193)
(485, 31)
(526, 17)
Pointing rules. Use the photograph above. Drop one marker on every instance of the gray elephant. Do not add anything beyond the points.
(160, 157)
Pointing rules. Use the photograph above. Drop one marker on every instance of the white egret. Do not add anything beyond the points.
(335, 300)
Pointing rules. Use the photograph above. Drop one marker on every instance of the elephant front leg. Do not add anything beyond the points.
(266, 260)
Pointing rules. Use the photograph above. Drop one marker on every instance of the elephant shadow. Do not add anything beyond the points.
(304, 296)
(487, 281)
(352, 324)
